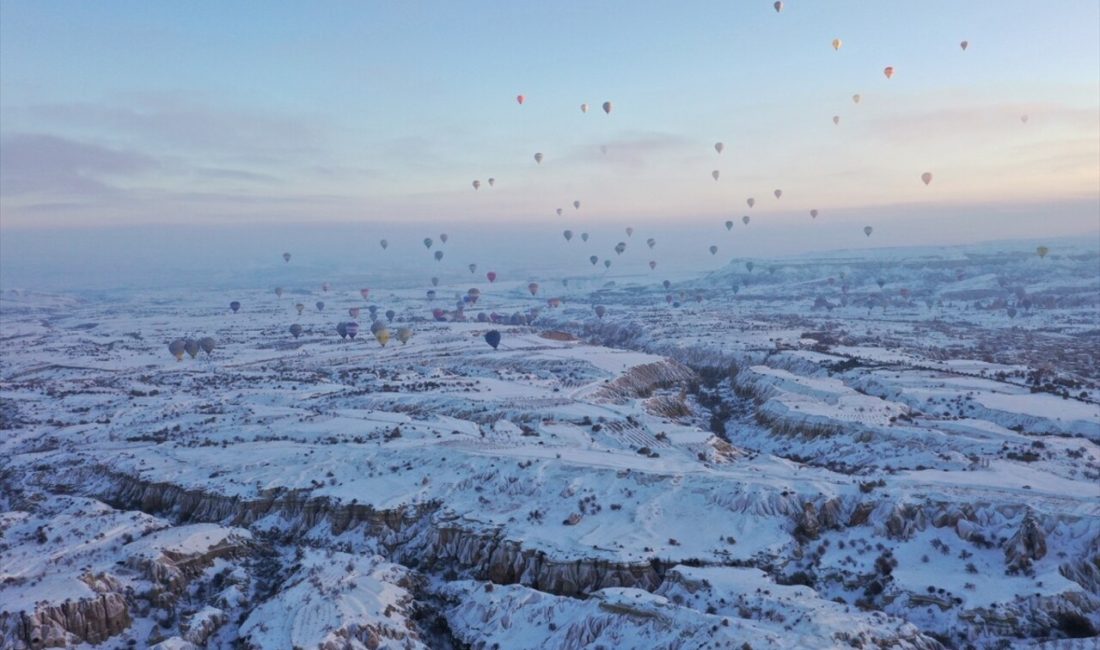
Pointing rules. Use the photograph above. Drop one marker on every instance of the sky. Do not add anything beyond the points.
(123, 117)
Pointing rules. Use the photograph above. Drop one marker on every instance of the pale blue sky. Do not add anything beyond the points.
(213, 112)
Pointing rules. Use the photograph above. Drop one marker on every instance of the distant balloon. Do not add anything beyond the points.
(207, 344)
(1042, 251)
(751, 202)
(813, 214)
(325, 286)
(286, 257)
(600, 311)
(444, 237)
(382, 336)
(666, 284)
(492, 276)
(729, 225)
(342, 330)
(576, 205)
(926, 177)
(880, 282)
(191, 346)
(427, 242)
(431, 294)
(472, 267)
(836, 119)
(593, 259)
(856, 97)
(749, 266)
(867, 230)
(584, 236)
(295, 330)
(584, 108)
(320, 305)
(435, 281)
(477, 185)
(235, 306)
(620, 248)
(568, 234)
(492, 181)
(300, 307)
(746, 219)
(778, 193)
(404, 334)
(715, 174)
(1024, 118)
(607, 107)
(533, 288)
(651, 242)
(385, 244)
(888, 71)
(713, 249)
(719, 147)
(837, 43)
(278, 292)
(559, 211)
(964, 45)
(177, 348)
(390, 314)
(607, 264)
(492, 337)
(438, 255)
(353, 312)
(652, 264)
(630, 232)
(352, 328)
(520, 99)
(778, 6)
(538, 158)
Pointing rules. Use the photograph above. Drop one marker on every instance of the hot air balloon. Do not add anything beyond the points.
(382, 336)
(558, 211)
(278, 292)
(438, 255)
(353, 312)
(472, 267)
(191, 346)
(593, 259)
(295, 330)
(325, 286)
(715, 174)
(880, 282)
(856, 97)
(568, 234)
(836, 119)
(584, 108)
(713, 249)
(207, 344)
(607, 107)
(390, 315)
(492, 337)
(729, 225)
(607, 264)
(538, 158)
(320, 305)
(300, 307)
(666, 284)
(435, 281)
(385, 244)
(235, 306)
(600, 311)
(620, 248)
(576, 205)
(745, 219)
(749, 266)
(584, 236)
(926, 177)
(719, 147)
(778, 6)
(751, 202)
(492, 276)
(651, 242)
(404, 334)
(867, 230)
(778, 193)
(652, 264)
(533, 288)
(444, 237)
(1042, 251)
(813, 214)
(431, 294)
(477, 185)
(1024, 119)
(629, 231)
(352, 328)
(286, 257)
(519, 99)
(964, 45)
(888, 71)
(427, 242)
(342, 330)
(177, 348)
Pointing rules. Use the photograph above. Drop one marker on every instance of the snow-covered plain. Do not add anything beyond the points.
(800, 454)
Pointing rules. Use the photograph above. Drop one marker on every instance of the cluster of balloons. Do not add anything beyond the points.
(191, 347)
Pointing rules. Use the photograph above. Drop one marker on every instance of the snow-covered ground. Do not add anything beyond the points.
(800, 454)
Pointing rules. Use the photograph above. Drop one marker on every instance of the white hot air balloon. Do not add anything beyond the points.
(584, 108)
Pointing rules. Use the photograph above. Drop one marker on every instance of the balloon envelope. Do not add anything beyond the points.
(867, 230)
(492, 337)
(538, 158)
(607, 107)
(492, 276)
(296, 330)
(235, 306)
(837, 43)
(713, 250)
(719, 147)
(729, 225)
(520, 99)
(177, 348)
(927, 178)
(207, 344)
(888, 71)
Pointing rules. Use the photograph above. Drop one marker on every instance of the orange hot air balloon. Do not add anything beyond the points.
(520, 99)
(888, 71)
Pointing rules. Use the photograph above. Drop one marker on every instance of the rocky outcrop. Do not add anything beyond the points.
(60, 625)
(640, 381)
(1028, 544)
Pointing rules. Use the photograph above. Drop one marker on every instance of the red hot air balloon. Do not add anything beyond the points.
(520, 99)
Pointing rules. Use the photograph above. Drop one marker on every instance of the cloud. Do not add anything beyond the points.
(41, 164)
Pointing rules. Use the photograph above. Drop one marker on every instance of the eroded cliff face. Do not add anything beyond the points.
(89, 620)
